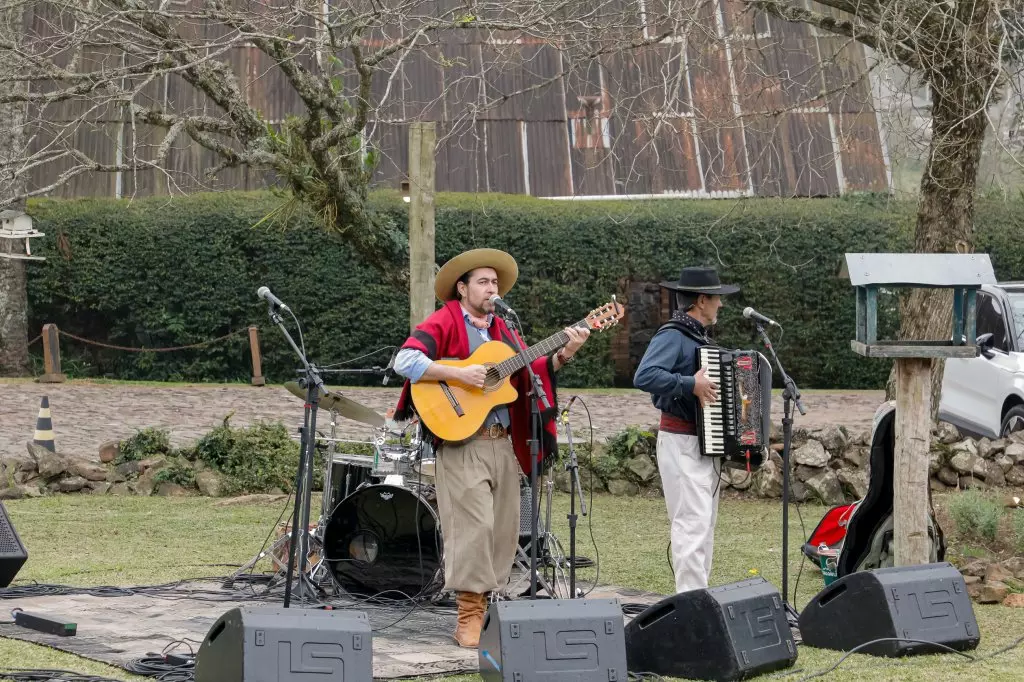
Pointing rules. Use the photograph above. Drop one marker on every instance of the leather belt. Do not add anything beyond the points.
(492, 432)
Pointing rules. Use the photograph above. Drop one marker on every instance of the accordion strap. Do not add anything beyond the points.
(678, 326)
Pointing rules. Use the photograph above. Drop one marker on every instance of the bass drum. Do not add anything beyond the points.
(383, 538)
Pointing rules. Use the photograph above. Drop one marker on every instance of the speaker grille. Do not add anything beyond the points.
(10, 545)
(525, 511)
(12, 552)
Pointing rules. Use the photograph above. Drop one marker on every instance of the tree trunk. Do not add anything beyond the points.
(13, 319)
(945, 211)
(13, 292)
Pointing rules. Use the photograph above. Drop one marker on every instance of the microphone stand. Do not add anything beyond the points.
(537, 395)
(575, 487)
(304, 476)
(790, 395)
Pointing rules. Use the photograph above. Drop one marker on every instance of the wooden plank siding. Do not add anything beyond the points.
(736, 103)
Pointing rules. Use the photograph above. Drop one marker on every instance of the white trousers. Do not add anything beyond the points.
(691, 485)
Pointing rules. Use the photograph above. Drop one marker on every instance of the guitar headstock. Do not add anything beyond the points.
(606, 316)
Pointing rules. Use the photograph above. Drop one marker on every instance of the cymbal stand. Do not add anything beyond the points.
(320, 572)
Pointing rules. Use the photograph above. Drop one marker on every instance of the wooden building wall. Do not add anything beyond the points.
(747, 106)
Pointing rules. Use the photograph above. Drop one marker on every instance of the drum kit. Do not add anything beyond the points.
(378, 533)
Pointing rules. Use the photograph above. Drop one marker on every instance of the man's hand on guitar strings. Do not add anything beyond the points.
(474, 375)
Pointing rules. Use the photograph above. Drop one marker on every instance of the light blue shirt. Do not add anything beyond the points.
(412, 363)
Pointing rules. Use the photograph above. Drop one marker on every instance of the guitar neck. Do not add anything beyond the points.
(545, 347)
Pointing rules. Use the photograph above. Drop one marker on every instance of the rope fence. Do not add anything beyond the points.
(201, 344)
(51, 350)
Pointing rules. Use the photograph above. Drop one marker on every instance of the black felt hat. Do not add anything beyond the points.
(701, 280)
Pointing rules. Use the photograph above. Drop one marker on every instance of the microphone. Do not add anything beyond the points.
(500, 305)
(565, 412)
(752, 314)
(264, 293)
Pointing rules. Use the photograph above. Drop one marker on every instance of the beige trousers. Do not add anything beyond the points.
(478, 502)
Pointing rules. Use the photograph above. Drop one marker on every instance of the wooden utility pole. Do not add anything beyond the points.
(965, 274)
(422, 141)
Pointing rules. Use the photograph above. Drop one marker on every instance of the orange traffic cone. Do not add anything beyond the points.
(44, 426)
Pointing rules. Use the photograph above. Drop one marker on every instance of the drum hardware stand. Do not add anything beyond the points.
(552, 556)
(573, 467)
(790, 395)
(315, 390)
(537, 397)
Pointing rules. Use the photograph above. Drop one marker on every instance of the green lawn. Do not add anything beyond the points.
(121, 541)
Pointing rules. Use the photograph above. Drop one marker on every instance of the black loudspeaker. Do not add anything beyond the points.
(12, 552)
(927, 603)
(730, 632)
(561, 640)
(286, 645)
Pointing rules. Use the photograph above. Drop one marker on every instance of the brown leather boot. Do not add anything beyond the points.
(472, 607)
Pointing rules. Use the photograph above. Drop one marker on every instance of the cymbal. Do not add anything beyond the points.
(346, 407)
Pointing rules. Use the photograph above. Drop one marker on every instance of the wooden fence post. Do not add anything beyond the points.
(910, 471)
(422, 143)
(51, 356)
(257, 361)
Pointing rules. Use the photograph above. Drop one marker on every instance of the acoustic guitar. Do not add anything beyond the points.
(454, 411)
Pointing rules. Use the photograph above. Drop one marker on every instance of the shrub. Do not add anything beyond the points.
(1018, 530)
(255, 459)
(625, 445)
(976, 515)
(141, 274)
(149, 442)
(179, 472)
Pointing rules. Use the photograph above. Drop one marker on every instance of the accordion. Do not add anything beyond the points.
(737, 426)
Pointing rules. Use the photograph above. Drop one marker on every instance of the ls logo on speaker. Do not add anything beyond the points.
(565, 650)
(934, 607)
(310, 658)
(764, 630)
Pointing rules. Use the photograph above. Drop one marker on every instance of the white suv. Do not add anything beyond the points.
(984, 396)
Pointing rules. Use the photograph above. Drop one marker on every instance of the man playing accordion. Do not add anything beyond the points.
(669, 373)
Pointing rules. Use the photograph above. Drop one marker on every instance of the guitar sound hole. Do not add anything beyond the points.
(492, 380)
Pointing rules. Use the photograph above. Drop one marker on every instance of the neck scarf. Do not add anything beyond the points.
(698, 330)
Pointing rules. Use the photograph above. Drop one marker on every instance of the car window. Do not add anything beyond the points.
(1017, 306)
(990, 321)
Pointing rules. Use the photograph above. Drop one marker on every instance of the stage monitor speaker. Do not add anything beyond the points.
(928, 603)
(562, 640)
(272, 644)
(12, 552)
(730, 632)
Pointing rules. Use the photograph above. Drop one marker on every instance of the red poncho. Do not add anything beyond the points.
(443, 336)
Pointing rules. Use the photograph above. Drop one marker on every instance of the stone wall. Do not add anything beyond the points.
(829, 465)
(41, 472)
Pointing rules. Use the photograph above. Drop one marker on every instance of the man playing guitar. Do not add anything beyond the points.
(478, 478)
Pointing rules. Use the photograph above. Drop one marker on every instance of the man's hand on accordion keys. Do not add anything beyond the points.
(704, 388)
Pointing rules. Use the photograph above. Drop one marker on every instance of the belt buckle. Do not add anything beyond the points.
(496, 431)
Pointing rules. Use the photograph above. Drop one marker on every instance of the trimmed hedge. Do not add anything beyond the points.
(167, 272)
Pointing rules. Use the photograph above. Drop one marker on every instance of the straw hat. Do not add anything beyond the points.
(503, 264)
